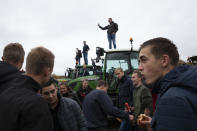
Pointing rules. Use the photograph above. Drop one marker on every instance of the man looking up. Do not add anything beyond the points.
(22, 109)
(12, 61)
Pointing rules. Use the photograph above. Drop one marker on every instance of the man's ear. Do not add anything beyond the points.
(47, 71)
(20, 63)
(165, 60)
(2, 58)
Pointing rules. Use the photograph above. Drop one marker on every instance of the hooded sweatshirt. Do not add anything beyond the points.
(22, 109)
(176, 108)
(8, 73)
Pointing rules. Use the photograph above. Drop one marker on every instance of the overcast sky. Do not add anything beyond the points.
(62, 25)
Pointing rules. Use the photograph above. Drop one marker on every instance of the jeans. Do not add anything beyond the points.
(85, 56)
(78, 60)
(125, 125)
(79, 63)
(111, 38)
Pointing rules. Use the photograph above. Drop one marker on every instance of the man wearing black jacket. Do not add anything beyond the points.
(83, 90)
(86, 48)
(67, 114)
(78, 57)
(112, 28)
(12, 61)
(97, 105)
(22, 109)
(125, 95)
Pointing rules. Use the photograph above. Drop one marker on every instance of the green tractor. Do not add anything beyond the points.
(127, 59)
(192, 60)
(77, 76)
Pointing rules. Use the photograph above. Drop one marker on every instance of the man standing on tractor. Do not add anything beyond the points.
(85, 52)
(78, 57)
(112, 28)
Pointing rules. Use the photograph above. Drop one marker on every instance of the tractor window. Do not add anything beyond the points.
(116, 60)
(134, 60)
(90, 72)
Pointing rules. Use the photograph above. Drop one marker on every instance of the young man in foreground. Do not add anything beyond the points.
(177, 102)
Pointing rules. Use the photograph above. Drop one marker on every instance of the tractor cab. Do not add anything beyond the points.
(192, 60)
(126, 59)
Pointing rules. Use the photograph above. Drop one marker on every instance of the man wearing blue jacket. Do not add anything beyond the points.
(176, 108)
(97, 105)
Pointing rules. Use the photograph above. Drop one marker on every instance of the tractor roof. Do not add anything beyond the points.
(119, 50)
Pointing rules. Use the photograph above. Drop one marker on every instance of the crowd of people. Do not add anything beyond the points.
(34, 101)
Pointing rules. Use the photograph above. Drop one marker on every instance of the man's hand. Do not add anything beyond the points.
(113, 33)
(131, 117)
(143, 120)
(131, 107)
(146, 121)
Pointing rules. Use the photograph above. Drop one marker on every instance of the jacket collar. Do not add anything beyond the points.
(34, 86)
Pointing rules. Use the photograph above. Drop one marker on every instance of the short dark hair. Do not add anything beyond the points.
(39, 58)
(51, 81)
(160, 46)
(66, 85)
(83, 80)
(102, 83)
(13, 53)
(119, 69)
(138, 73)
